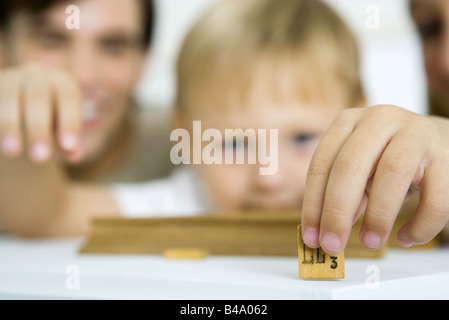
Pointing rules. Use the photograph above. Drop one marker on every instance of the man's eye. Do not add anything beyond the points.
(430, 30)
(119, 45)
(51, 40)
(114, 48)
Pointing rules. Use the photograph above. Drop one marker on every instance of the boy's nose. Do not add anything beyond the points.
(272, 182)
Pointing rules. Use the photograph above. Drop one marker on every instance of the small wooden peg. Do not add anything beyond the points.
(185, 253)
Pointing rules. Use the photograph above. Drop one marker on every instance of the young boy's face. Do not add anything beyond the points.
(300, 127)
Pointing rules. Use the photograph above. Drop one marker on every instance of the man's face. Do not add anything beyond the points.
(105, 56)
(432, 20)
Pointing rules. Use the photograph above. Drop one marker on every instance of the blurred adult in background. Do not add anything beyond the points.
(431, 18)
(67, 117)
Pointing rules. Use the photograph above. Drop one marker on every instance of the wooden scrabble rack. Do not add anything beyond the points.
(248, 233)
(215, 234)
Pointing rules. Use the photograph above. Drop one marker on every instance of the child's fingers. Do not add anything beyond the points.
(394, 174)
(318, 174)
(356, 161)
(348, 181)
(433, 210)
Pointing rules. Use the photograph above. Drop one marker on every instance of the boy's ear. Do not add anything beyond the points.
(178, 121)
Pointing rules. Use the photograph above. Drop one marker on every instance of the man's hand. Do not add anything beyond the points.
(42, 106)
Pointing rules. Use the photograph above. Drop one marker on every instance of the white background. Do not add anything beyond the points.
(391, 58)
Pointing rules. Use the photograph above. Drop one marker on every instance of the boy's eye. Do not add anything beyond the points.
(235, 144)
(303, 138)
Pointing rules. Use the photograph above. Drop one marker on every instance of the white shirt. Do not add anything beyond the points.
(180, 194)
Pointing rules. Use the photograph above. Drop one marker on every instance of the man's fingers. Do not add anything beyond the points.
(10, 119)
(43, 103)
(38, 118)
(69, 110)
(394, 173)
(318, 174)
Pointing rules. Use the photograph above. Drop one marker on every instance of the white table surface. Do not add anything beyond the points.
(36, 269)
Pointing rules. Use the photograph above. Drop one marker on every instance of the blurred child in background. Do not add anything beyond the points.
(289, 65)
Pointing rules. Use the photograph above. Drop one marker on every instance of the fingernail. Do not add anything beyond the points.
(40, 152)
(331, 243)
(311, 237)
(10, 145)
(405, 243)
(68, 141)
(371, 240)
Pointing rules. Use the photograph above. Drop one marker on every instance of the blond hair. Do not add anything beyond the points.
(228, 48)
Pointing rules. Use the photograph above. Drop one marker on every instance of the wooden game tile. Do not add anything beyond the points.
(317, 264)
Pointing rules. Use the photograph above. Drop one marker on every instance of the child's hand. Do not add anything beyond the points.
(42, 105)
(368, 159)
